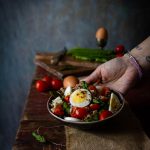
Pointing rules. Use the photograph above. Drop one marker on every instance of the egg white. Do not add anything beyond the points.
(72, 119)
(80, 98)
(68, 91)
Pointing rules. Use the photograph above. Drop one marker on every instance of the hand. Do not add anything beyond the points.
(118, 74)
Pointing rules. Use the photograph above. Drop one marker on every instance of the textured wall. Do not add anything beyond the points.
(29, 26)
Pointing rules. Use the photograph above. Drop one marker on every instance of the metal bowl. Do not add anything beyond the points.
(83, 124)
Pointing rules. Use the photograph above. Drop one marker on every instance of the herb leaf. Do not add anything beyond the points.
(66, 107)
(84, 85)
(38, 137)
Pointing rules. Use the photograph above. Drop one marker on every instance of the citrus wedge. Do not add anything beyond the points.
(114, 103)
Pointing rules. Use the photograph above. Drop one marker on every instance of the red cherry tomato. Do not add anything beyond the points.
(104, 98)
(105, 91)
(79, 113)
(48, 79)
(94, 107)
(119, 55)
(56, 84)
(119, 49)
(105, 114)
(66, 98)
(92, 88)
(59, 110)
(41, 86)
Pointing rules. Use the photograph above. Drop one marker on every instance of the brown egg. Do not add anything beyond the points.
(101, 34)
(70, 81)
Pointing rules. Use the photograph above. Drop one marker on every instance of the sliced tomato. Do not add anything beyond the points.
(105, 114)
(59, 110)
(94, 107)
(78, 112)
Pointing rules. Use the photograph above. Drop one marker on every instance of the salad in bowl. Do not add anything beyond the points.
(85, 104)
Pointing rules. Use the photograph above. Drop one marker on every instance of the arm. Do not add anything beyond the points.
(119, 73)
(142, 54)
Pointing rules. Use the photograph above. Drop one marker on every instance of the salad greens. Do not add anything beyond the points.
(84, 85)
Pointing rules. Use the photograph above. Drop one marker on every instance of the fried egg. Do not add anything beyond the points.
(80, 98)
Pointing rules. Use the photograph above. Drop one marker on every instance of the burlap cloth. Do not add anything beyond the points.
(124, 132)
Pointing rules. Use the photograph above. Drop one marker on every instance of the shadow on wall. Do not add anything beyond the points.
(27, 27)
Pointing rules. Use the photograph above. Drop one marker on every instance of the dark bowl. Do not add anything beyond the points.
(86, 125)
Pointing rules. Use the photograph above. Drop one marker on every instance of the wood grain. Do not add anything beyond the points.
(36, 115)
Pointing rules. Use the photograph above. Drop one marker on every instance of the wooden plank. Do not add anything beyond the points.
(66, 66)
(36, 115)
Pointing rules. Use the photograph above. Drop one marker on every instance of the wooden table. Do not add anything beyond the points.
(35, 114)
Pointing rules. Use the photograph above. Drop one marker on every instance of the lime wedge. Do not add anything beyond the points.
(114, 103)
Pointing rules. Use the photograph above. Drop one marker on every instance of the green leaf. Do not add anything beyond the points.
(104, 105)
(84, 85)
(66, 107)
(96, 101)
(38, 137)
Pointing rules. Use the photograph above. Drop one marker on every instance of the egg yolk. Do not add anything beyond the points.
(80, 97)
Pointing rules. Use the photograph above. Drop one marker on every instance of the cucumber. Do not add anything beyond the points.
(91, 54)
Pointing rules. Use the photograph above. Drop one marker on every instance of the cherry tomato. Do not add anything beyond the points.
(119, 55)
(104, 98)
(104, 114)
(92, 88)
(48, 79)
(41, 86)
(119, 49)
(94, 107)
(56, 84)
(105, 91)
(59, 110)
(66, 98)
(79, 113)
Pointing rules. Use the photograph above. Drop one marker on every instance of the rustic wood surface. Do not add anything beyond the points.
(35, 115)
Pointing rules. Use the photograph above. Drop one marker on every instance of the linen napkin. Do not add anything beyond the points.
(124, 132)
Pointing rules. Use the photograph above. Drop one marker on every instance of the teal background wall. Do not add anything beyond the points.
(30, 26)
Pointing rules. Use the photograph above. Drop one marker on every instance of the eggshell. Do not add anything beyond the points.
(101, 34)
(70, 81)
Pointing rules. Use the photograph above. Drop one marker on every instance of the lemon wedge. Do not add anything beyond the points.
(114, 103)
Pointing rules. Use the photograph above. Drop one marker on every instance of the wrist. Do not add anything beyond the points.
(141, 52)
(141, 59)
(133, 65)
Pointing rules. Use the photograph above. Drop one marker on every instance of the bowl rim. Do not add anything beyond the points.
(121, 98)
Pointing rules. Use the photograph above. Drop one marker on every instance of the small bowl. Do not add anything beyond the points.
(87, 125)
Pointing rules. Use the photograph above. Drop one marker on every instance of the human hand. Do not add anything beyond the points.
(118, 74)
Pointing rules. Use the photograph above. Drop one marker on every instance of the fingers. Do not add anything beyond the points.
(95, 76)
(116, 87)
